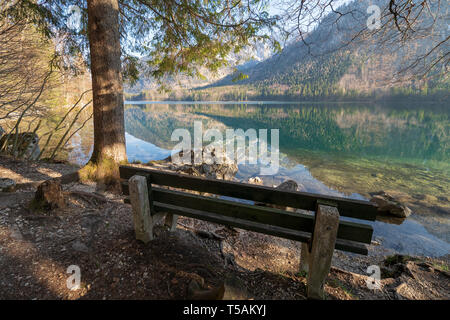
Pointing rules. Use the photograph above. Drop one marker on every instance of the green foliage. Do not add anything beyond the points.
(302, 274)
(105, 171)
(314, 79)
(442, 267)
(240, 76)
(88, 173)
(336, 283)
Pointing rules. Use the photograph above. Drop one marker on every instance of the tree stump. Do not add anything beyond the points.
(49, 195)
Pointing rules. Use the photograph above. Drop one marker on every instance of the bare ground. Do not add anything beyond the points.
(96, 234)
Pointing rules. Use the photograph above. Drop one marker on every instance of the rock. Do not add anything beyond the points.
(416, 278)
(390, 219)
(387, 204)
(289, 185)
(28, 145)
(49, 196)
(7, 185)
(225, 170)
(375, 243)
(255, 180)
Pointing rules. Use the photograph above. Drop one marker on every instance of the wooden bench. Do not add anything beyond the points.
(320, 233)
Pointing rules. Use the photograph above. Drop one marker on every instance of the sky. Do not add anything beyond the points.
(275, 7)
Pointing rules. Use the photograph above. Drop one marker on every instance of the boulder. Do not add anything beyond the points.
(7, 185)
(49, 196)
(27, 145)
(255, 180)
(288, 185)
(387, 204)
(225, 170)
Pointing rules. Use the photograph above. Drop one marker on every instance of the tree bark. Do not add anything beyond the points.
(107, 87)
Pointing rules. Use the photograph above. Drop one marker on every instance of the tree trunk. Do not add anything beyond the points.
(107, 88)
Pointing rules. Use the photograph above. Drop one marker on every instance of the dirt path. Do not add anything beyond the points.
(96, 234)
(26, 173)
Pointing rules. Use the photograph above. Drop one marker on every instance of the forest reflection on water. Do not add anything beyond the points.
(338, 149)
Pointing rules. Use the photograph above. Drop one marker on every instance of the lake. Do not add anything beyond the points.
(342, 149)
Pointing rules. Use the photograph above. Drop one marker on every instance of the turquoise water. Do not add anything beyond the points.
(338, 149)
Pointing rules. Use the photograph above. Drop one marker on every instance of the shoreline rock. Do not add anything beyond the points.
(387, 204)
(28, 145)
(225, 170)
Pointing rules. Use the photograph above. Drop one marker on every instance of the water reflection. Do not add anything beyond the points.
(410, 238)
(337, 149)
(139, 150)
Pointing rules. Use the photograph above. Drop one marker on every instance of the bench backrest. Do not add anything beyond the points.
(291, 225)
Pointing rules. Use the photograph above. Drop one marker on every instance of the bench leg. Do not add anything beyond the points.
(171, 221)
(304, 258)
(324, 240)
(143, 221)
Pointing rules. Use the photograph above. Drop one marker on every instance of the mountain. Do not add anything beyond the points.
(329, 64)
(245, 59)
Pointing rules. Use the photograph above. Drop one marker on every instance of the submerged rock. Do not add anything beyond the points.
(387, 204)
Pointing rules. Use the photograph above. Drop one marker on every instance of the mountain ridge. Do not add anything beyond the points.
(328, 65)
